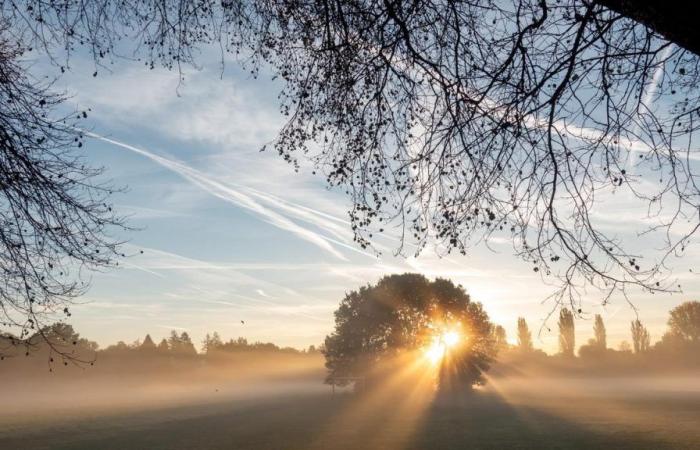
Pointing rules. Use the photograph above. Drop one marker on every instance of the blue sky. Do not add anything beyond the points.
(230, 233)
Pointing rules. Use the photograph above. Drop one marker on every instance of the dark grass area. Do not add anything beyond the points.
(319, 421)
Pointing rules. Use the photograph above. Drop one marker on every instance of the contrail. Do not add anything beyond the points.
(230, 195)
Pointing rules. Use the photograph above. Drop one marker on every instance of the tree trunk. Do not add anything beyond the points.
(676, 20)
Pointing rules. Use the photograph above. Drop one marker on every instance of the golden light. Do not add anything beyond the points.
(451, 338)
(440, 344)
(435, 351)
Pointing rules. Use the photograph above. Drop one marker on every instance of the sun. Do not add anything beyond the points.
(450, 338)
(440, 344)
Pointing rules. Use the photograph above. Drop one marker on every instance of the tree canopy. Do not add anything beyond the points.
(684, 321)
(403, 314)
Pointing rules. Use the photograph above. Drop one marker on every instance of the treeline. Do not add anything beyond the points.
(181, 345)
(59, 343)
(678, 347)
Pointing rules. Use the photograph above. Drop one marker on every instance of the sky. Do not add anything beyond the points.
(235, 241)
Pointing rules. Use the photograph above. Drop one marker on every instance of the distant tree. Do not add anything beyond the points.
(185, 346)
(500, 338)
(601, 340)
(174, 342)
(58, 342)
(567, 336)
(405, 313)
(236, 345)
(455, 120)
(148, 344)
(685, 321)
(240, 342)
(524, 336)
(640, 337)
(211, 343)
(625, 347)
(206, 344)
(119, 347)
(590, 350)
(215, 340)
(163, 346)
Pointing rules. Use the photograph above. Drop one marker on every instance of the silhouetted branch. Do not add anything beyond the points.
(461, 122)
(54, 219)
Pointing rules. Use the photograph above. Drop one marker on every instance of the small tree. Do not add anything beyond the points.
(174, 342)
(186, 347)
(500, 338)
(163, 347)
(685, 321)
(212, 343)
(600, 335)
(524, 336)
(640, 337)
(148, 345)
(567, 337)
(625, 347)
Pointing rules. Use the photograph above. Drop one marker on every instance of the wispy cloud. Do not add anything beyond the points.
(233, 196)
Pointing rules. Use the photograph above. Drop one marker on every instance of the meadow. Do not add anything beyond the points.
(301, 413)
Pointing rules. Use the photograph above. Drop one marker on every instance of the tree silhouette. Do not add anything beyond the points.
(567, 337)
(524, 336)
(625, 347)
(402, 313)
(58, 342)
(598, 344)
(640, 337)
(685, 321)
(163, 346)
(211, 343)
(601, 341)
(185, 344)
(148, 345)
(456, 121)
(55, 221)
(181, 343)
(500, 338)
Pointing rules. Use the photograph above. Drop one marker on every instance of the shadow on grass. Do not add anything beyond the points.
(486, 421)
(482, 420)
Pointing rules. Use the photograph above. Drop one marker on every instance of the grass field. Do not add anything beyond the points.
(614, 414)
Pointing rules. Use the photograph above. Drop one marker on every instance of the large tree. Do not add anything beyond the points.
(404, 314)
(448, 120)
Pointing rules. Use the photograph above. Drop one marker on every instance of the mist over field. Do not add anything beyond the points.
(392, 375)
(279, 401)
(425, 224)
